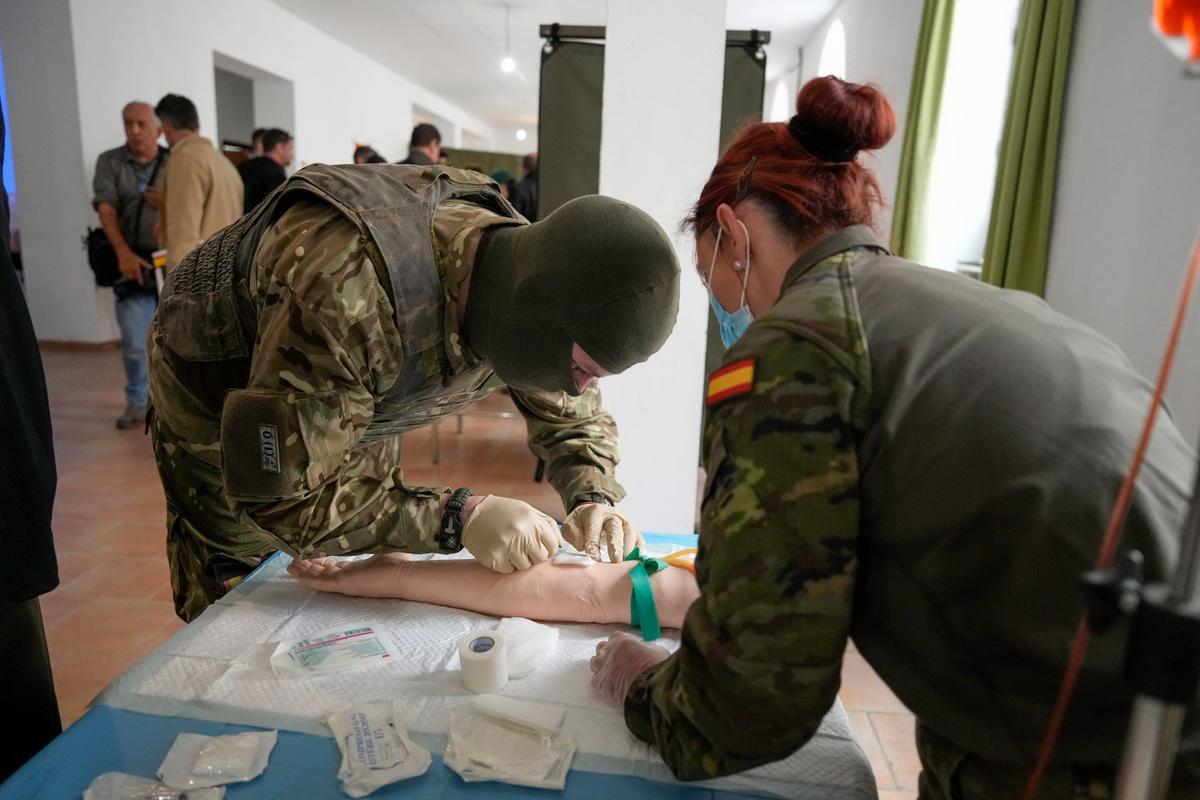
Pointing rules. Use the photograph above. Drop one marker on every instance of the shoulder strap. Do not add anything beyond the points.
(137, 225)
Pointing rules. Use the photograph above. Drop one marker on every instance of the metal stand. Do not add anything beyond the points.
(1162, 660)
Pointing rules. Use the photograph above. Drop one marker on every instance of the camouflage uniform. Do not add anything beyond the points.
(926, 463)
(325, 365)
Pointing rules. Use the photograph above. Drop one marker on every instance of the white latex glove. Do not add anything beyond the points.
(618, 662)
(591, 523)
(505, 534)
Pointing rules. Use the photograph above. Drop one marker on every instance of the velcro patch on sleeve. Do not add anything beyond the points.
(730, 381)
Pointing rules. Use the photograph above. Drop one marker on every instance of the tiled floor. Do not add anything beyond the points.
(114, 604)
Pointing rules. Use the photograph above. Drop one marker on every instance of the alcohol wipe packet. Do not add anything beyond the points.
(196, 761)
(375, 747)
(332, 651)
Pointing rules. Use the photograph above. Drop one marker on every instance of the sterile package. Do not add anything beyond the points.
(119, 786)
(527, 644)
(506, 740)
(375, 747)
(567, 555)
(332, 651)
(196, 761)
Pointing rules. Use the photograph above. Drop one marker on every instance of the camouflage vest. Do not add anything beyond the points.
(393, 208)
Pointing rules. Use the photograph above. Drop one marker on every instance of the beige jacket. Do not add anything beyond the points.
(202, 193)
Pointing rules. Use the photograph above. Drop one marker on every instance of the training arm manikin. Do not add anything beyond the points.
(546, 592)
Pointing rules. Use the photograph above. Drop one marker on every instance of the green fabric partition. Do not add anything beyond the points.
(570, 104)
(742, 89)
(920, 129)
(1018, 240)
(741, 104)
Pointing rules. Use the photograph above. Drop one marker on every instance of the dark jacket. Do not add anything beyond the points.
(260, 176)
(27, 473)
(418, 158)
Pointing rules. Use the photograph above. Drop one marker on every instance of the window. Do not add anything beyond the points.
(970, 122)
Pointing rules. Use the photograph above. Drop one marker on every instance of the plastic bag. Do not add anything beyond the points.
(120, 786)
(197, 761)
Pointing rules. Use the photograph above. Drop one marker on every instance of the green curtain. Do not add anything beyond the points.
(1018, 240)
(920, 129)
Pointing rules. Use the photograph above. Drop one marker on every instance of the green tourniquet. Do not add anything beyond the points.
(642, 612)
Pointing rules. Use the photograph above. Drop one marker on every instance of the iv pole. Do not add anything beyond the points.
(1163, 664)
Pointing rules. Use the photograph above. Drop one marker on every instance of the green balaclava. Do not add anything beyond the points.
(597, 272)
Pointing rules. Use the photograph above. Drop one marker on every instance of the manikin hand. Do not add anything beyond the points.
(505, 534)
(592, 523)
(618, 662)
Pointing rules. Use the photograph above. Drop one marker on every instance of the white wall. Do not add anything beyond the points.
(53, 182)
(1128, 195)
(881, 43)
(125, 49)
(657, 404)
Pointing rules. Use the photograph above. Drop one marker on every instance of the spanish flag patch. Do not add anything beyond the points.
(731, 381)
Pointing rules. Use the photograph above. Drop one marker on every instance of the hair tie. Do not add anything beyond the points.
(819, 144)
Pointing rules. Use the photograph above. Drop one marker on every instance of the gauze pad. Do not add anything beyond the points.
(196, 761)
(483, 747)
(567, 555)
(526, 644)
(332, 651)
(375, 747)
(539, 716)
(119, 786)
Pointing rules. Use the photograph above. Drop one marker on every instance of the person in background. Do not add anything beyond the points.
(256, 142)
(125, 196)
(201, 191)
(906, 456)
(507, 185)
(364, 153)
(264, 174)
(525, 193)
(27, 484)
(424, 146)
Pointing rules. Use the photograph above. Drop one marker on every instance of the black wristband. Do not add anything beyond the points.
(591, 497)
(449, 535)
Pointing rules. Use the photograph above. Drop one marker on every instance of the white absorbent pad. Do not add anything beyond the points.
(219, 668)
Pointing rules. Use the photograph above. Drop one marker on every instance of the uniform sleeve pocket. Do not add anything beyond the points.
(202, 327)
(278, 445)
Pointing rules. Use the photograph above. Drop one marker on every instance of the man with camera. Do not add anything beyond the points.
(125, 195)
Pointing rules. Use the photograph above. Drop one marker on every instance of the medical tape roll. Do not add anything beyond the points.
(484, 662)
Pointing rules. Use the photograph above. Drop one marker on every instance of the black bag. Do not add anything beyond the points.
(101, 257)
(100, 254)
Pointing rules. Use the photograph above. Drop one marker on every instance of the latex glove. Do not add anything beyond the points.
(505, 534)
(591, 523)
(618, 662)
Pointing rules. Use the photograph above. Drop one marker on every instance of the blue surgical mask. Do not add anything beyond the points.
(734, 324)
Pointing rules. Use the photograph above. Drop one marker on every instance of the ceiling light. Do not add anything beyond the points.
(521, 134)
(507, 64)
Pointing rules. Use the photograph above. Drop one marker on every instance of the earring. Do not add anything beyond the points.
(737, 265)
